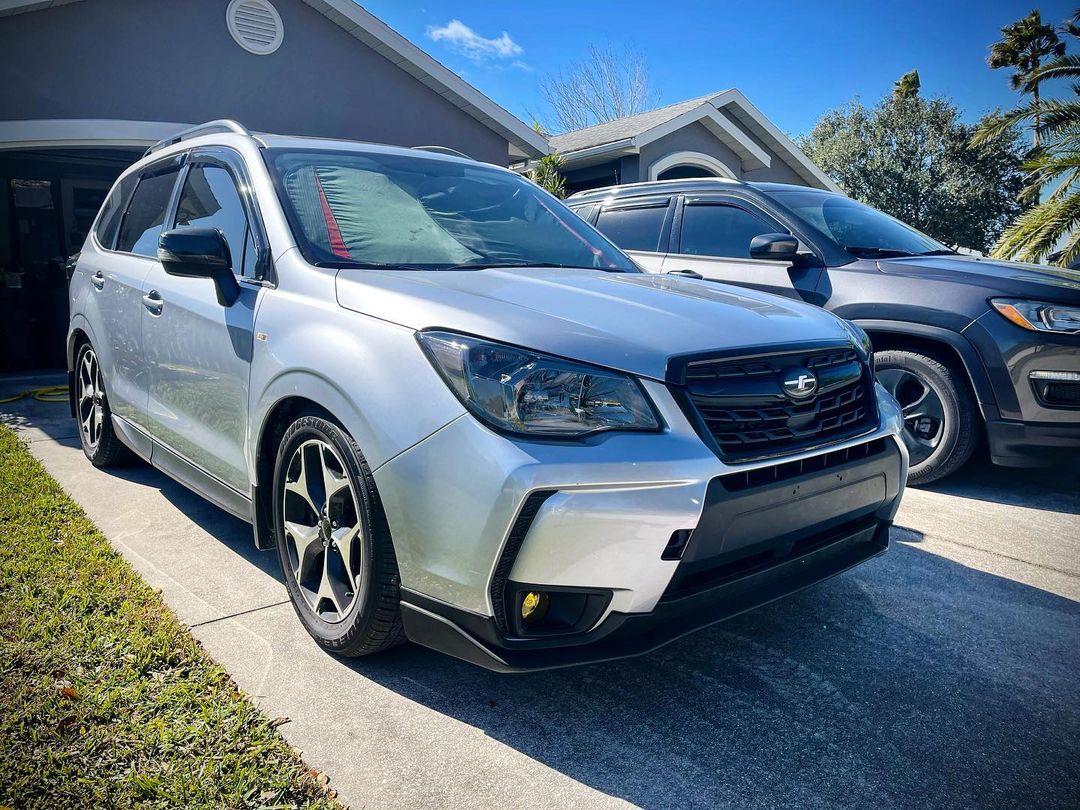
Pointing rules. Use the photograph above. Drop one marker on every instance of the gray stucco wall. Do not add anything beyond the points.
(779, 172)
(692, 138)
(163, 60)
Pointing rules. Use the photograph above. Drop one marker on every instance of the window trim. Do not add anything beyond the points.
(151, 170)
(232, 162)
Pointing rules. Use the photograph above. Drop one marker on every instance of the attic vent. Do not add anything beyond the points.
(255, 25)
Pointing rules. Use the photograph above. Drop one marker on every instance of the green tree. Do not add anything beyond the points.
(912, 158)
(1023, 47)
(907, 86)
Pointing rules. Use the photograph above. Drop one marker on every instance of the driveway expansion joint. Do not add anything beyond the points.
(238, 613)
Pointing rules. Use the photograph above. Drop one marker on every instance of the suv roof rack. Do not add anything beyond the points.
(443, 150)
(210, 127)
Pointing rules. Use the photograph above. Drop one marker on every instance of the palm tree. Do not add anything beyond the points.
(1053, 182)
(907, 86)
(1023, 47)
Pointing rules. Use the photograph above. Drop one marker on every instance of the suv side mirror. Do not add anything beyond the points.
(200, 253)
(777, 247)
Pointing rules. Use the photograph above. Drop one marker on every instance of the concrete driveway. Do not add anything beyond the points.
(944, 673)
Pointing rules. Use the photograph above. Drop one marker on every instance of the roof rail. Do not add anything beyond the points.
(443, 150)
(210, 127)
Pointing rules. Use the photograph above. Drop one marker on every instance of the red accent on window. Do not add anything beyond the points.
(337, 244)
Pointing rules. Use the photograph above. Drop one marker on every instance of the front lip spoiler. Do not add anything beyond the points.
(626, 635)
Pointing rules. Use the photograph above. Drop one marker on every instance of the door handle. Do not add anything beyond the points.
(153, 302)
(98, 279)
(685, 272)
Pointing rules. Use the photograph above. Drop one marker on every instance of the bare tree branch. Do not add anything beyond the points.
(608, 84)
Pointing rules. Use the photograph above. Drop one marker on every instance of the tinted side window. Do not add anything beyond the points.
(113, 211)
(633, 228)
(146, 213)
(584, 211)
(210, 200)
(721, 230)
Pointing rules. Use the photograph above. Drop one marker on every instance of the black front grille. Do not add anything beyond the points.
(739, 404)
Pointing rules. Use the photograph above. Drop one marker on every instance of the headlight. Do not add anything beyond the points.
(524, 392)
(861, 339)
(1039, 316)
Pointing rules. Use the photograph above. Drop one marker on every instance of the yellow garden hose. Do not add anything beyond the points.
(53, 393)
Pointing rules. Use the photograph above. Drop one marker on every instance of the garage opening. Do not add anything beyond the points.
(48, 200)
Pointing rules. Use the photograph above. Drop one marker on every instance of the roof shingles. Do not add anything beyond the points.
(623, 128)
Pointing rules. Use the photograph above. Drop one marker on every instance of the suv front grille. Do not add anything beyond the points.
(740, 407)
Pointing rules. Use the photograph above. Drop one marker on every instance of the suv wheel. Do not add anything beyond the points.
(939, 412)
(99, 440)
(333, 541)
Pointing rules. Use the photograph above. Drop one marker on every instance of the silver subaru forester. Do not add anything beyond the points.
(458, 413)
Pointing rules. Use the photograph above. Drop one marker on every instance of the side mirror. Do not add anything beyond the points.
(200, 253)
(776, 247)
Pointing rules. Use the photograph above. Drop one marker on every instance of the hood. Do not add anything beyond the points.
(632, 322)
(998, 277)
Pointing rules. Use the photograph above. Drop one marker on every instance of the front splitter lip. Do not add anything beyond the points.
(623, 635)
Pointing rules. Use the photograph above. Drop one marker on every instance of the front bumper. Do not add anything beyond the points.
(475, 515)
(1029, 444)
(624, 635)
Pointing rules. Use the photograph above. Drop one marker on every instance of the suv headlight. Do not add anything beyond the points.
(861, 340)
(1039, 316)
(524, 392)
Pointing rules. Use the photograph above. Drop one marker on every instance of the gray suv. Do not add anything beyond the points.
(457, 412)
(972, 349)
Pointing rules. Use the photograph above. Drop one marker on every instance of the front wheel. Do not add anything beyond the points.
(940, 418)
(333, 541)
(99, 441)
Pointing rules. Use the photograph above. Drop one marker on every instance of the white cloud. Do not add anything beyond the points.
(473, 46)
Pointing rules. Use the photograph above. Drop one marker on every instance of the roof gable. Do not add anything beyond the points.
(728, 114)
(374, 33)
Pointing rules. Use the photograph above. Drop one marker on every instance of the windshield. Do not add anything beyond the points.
(420, 213)
(859, 229)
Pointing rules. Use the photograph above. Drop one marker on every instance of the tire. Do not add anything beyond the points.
(99, 441)
(907, 375)
(336, 554)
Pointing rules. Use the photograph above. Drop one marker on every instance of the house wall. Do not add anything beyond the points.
(692, 138)
(162, 60)
(778, 172)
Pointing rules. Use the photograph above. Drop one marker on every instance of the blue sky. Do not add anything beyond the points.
(793, 60)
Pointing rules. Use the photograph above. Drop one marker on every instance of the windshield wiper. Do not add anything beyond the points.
(939, 252)
(876, 252)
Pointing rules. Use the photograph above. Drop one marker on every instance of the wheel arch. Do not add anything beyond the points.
(78, 334)
(939, 342)
(283, 399)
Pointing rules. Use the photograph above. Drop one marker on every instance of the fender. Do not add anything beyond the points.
(973, 366)
(78, 322)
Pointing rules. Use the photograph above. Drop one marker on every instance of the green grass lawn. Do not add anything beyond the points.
(105, 699)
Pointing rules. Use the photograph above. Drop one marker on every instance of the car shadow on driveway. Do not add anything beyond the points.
(1052, 489)
(912, 681)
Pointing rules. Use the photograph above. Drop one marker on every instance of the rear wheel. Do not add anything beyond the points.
(333, 541)
(940, 418)
(99, 441)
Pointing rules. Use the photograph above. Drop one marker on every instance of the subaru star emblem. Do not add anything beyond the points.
(799, 383)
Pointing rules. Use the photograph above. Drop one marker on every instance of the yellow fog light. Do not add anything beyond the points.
(534, 605)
